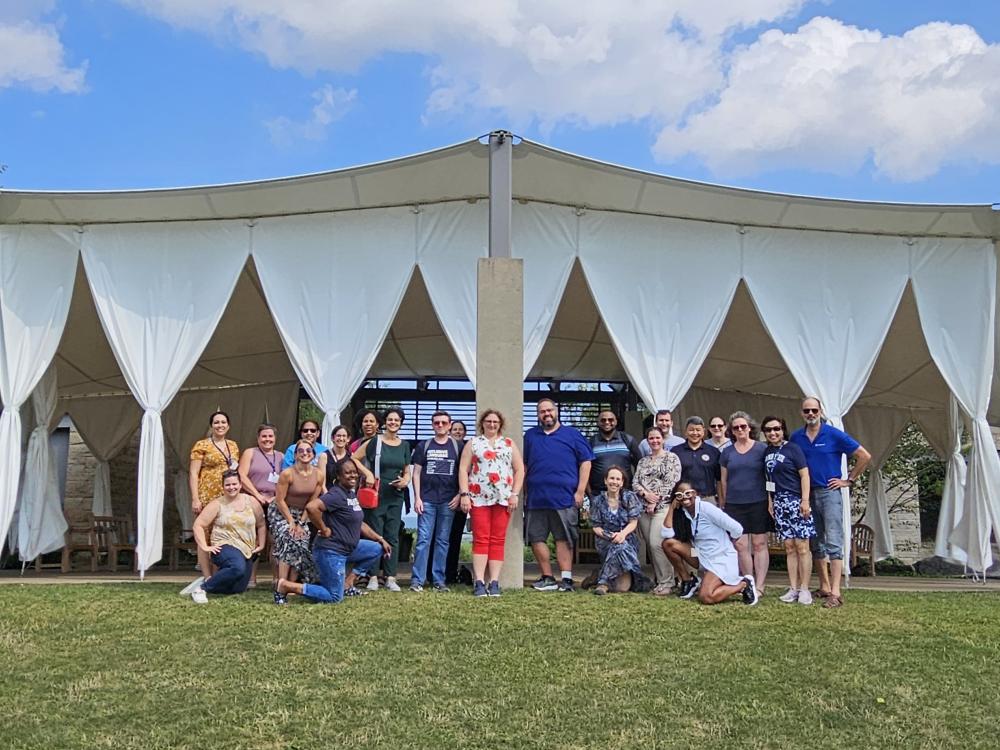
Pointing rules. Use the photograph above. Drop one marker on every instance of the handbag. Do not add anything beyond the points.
(368, 496)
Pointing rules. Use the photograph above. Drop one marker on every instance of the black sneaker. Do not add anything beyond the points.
(493, 589)
(750, 594)
(479, 589)
(280, 599)
(566, 584)
(545, 583)
(690, 587)
(440, 588)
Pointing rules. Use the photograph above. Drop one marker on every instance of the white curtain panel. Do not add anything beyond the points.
(453, 236)
(827, 300)
(954, 283)
(106, 424)
(182, 499)
(953, 495)
(663, 287)
(37, 269)
(160, 290)
(333, 283)
(878, 430)
(42, 524)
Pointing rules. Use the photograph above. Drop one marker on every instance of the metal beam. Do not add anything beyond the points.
(501, 192)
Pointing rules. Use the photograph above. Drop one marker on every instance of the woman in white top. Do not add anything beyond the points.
(712, 533)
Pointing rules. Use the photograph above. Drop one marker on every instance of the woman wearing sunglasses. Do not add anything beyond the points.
(717, 434)
(308, 430)
(788, 490)
(743, 497)
(713, 534)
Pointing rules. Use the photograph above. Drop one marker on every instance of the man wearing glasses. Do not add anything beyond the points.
(612, 448)
(825, 448)
(435, 498)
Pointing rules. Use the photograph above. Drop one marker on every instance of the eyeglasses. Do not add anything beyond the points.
(309, 430)
(685, 494)
(741, 427)
(439, 422)
(810, 411)
(776, 428)
(303, 452)
(717, 426)
(607, 419)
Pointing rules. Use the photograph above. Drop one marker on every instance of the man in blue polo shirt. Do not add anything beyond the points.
(825, 447)
(557, 467)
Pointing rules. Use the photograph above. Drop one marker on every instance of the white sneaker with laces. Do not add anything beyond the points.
(391, 585)
(198, 596)
(195, 584)
(372, 584)
(805, 597)
(789, 597)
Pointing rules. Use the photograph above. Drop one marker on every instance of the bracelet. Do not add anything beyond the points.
(465, 494)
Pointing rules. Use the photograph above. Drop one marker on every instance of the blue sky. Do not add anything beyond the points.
(881, 101)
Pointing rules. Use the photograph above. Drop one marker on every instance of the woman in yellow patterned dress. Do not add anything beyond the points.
(209, 458)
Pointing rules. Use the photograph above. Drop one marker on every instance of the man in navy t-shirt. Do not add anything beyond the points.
(435, 497)
(557, 464)
(824, 447)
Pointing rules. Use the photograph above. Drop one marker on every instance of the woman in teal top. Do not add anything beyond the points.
(388, 455)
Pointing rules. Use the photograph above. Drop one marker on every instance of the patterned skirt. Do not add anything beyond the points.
(788, 520)
(288, 549)
(617, 558)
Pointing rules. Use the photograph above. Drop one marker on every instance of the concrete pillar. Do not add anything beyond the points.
(499, 376)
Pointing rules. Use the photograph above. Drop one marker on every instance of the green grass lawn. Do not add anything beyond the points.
(136, 666)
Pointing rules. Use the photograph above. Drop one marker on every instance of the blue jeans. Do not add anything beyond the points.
(332, 567)
(233, 572)
(440, 514)
(828, 513)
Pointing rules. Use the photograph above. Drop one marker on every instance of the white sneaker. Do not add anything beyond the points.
(198, 596)
(805, 597)
(391, 585)
(195, 584)
(372, 583)
(789, 597)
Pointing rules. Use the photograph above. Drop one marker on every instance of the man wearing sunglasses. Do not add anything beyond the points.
(825, 448)
(612, 448)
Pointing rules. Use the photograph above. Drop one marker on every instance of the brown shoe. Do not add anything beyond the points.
(833, 602)
(820, 593)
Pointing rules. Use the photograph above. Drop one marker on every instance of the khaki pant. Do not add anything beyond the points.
(652, 542)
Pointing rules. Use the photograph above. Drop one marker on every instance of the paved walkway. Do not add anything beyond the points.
(775, 581)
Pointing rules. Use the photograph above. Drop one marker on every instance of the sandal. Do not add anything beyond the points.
(833, 602)
(822, 594)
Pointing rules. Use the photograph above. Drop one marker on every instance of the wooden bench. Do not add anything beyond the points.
(585, 544)
(79, 538)
(105, 536)
(863, 544)
(183, 541)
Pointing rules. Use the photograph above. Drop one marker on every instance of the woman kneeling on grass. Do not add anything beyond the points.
(339, 522)
(614, 516)
(238, 534)
(713, 534)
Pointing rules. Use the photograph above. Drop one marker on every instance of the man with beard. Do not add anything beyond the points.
(612, 448)
(825, 448)
(557, 462)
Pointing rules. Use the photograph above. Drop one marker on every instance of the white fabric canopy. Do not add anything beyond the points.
(663, 287)
(878, 430)
(160, 290)
(106, 425)
(41, 522)
(451, 238)
(954, 282)
(333, 283)
(37, 267)
(952, 508)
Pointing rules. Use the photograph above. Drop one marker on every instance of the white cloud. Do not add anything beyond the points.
(331, 105)
(827, 96)
(32, 52)
(831, 97)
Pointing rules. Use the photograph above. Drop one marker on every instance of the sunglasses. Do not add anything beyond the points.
(439, 422)
(741, 427)
(716, 426)
(776, 428)
(309, 430)
(303, 452)
(810, 411)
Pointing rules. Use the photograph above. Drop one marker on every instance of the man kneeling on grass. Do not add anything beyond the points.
(712, 534)
(238, 535)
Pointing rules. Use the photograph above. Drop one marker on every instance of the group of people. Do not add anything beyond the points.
(700, 507)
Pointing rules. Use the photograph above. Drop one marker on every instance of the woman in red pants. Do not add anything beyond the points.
(490, 475)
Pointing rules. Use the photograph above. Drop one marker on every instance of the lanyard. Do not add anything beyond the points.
(227, 454)
(270, 461)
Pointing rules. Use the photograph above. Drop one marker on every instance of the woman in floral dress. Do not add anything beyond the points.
(490, 476)
(209, 458)
(614, 516)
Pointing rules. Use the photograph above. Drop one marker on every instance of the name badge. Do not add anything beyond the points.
(769, 486)
(273, 477)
